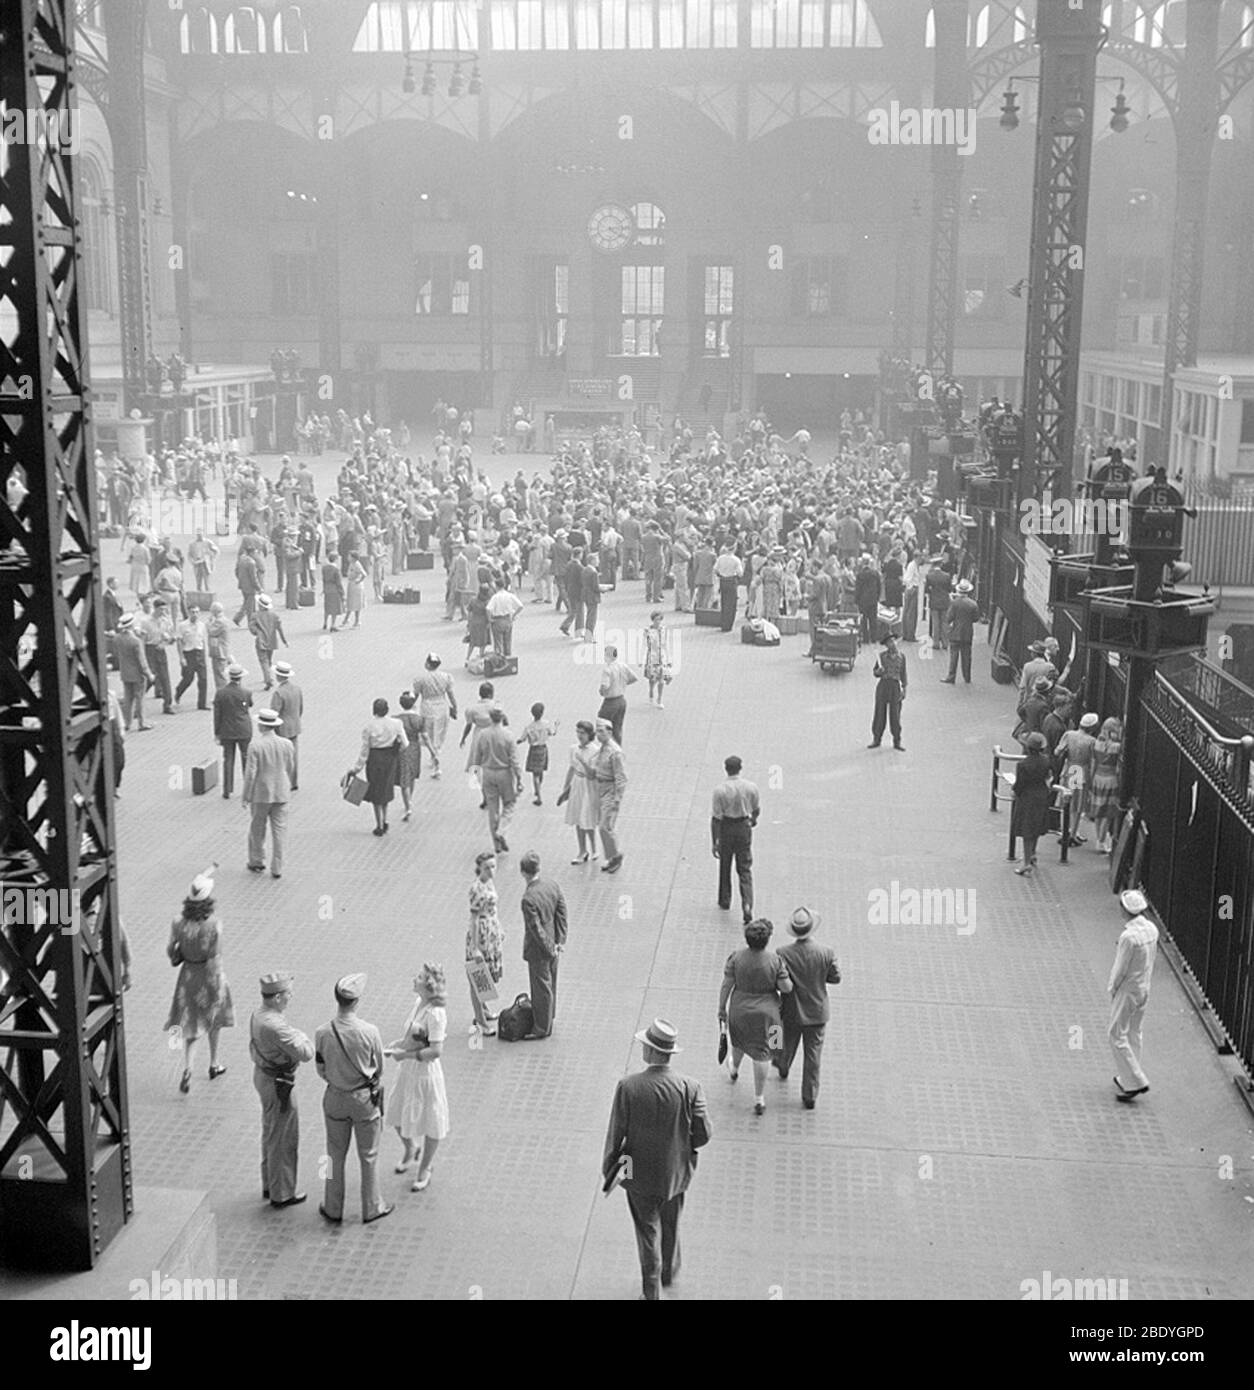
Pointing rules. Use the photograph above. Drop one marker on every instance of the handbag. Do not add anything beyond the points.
(354, 788)
(722, 1043)
(175, 952)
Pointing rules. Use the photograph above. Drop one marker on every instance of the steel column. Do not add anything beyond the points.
(1069, 40)
(951, 90)
(1196, 117)
(327, 244)
(128, 132)
(65, 1168)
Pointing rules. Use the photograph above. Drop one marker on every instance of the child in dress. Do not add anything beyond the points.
(536, 735)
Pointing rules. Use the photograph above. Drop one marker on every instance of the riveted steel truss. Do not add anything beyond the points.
(65, 1171)
(1069, 40)
(951, 90)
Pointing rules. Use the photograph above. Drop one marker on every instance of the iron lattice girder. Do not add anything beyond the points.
(951, 90)
(1064, 148)
(65, 1181)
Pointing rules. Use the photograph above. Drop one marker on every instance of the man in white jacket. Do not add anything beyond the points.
(1130, 979)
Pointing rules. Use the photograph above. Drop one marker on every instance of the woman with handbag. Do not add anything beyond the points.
(202, 996)
(418, 1105)
(1030, 814)
(485, 940)
(382, 740)
(582, 793)
(754, 978)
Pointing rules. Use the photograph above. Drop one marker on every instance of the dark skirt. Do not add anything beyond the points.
(381, 769)
(1030, 815)
(538, 758)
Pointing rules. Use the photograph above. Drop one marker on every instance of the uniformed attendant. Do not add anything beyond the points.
(734, 814)
(890, 691)
(349, 1056)
(1129, 989)
(277, 1049)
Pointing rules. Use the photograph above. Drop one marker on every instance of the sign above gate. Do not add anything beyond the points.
(591, 386)
(1036, 557)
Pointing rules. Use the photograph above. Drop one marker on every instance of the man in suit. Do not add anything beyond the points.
(657, 1123)
(960, 625)
(267, 790)
(267, 629)
(233, 725)
(277, 1049)
(134, 670)
(544, 937)
(805, 1011)
(348, 1054)
(289, 701)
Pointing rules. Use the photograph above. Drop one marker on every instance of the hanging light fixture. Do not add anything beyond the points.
(408, 84)
(476, 82)
(456, 82)
(428, 80)
(1009, 110)
(1119, 112)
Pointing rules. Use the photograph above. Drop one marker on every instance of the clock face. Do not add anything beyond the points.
(610, 228)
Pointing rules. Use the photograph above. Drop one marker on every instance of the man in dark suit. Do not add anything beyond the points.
(960, 625)
(544, 936)
(233, 725)
(657, 1124)
(804, 1012)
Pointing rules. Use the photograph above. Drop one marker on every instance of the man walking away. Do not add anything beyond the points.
(727, 570)
(277, 1049)
(657, 1123)
(1130, 980)
(732, 819)
(288, 701)
(804, 1012)
(233, 726)
(544, 938)
(266, 792)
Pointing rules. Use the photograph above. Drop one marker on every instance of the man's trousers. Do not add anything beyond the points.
(656, 1220)
(280, 1140)
(735, 843)
(273, 814)
(809, 1036)
(543, 975)
(350, 1115)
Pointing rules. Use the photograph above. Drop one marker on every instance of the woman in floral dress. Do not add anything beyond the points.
(657, 666)
(584, 810)
(484, 938)
(418, 1105)
(409, 768)
(202, 996)
(356, 592)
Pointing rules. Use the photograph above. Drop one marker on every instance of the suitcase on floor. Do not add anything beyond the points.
(420, 560)
(709, 617)
(495, 665)
(306, 598)
(200, 598)
(204, 777)
(789, 624)
(515, 1022)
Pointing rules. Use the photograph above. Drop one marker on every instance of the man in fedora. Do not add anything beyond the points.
(657, 1123)
(277, 1049)
(1033, 670)
(266, 792)
(267, 629)
(134, 670)
(960, 625)
(233, 725)
(348, 1054)
(1130, 979)
(804, 1012)
(288, 701)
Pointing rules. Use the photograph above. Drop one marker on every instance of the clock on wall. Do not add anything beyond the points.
(611, 227)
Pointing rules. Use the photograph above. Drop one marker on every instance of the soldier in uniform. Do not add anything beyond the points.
(277, 1049)
(890, 691)
(349, 1056)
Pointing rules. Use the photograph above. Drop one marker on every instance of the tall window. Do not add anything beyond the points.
(289, 31)
(643, 300)
(244, 32)
(719, 304)
(818, 287)
(98, 265)
(442, 286)
(983, 286)
(650, 224)
(198, 32)
(394, 26)
(552, 290)
(813, 24)
(294, 283)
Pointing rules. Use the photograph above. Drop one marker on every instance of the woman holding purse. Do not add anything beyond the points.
(484, 938)
(202, 995)
(418, 1106)
(382, 740)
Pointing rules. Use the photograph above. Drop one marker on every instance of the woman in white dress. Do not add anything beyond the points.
(418, 1106)
(580, 792)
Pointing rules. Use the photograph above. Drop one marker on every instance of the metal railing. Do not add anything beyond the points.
(1229, 760)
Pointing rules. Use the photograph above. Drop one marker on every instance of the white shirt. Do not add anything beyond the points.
(1134, 957)
(504, 604)
(728, 566)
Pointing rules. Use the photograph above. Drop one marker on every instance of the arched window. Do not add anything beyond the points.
(198, 32)
(650, 224)
(244, 32)
(853, 26)
(96, 232)
(993, 24)
(1159, 24)
(393, 26)
(1236, 28)
(289, 31)
(929, 30)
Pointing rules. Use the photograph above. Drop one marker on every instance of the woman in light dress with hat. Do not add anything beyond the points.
(202, 995)
(418, 1106)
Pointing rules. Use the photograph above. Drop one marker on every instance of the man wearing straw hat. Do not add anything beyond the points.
(288, 701)
(266, 792)
(805, 1011)
(657, 1123)
(1130, 980)
(277, 1049)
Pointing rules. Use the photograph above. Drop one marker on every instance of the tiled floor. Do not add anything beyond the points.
(966, 1137)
